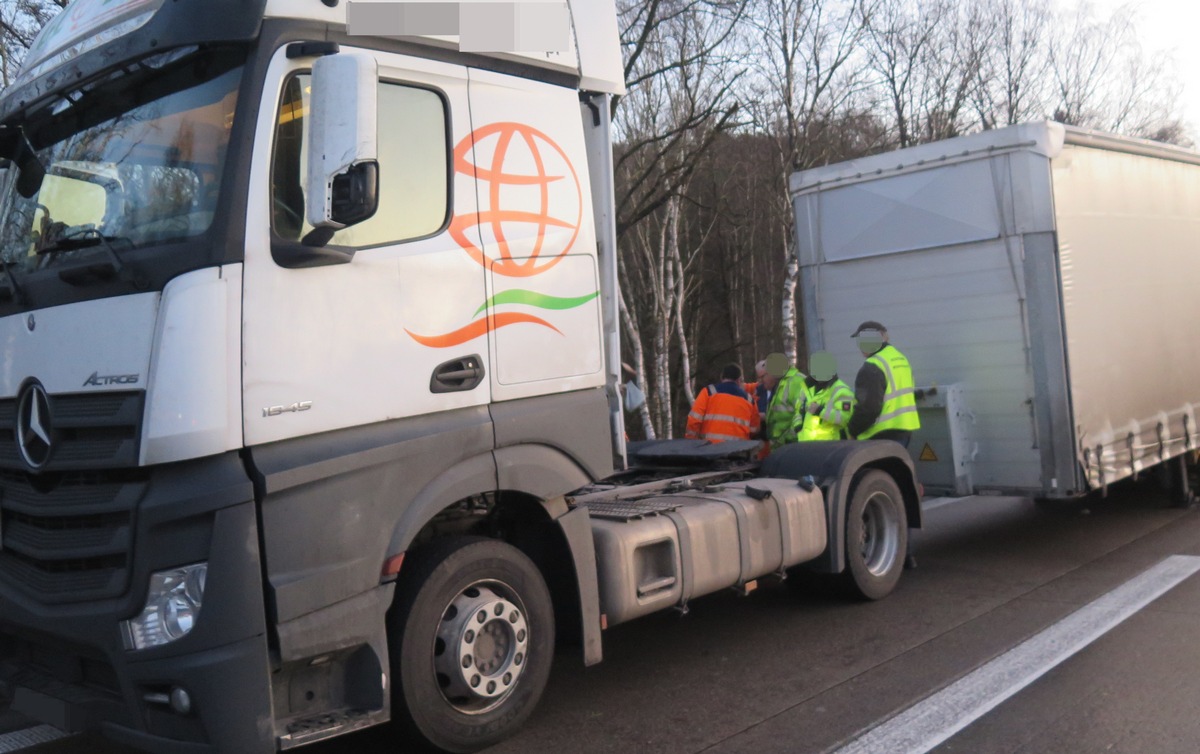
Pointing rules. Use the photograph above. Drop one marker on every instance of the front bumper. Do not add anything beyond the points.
(228, 686)
(65, 662)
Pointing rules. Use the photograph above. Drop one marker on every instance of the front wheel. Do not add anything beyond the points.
(876, 536)
(471, 637)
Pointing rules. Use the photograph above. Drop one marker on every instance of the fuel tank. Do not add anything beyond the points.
(661, 550)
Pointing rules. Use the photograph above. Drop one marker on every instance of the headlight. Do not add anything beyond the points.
(172, 607)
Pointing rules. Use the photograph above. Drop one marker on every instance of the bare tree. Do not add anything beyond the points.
(680, 99)
(950, 71)
(680, 95)
(633, 341)
(20, 21)
(1104, 79)
(1080, 58)
(1011, 84)
(804, 81)
(899, 35)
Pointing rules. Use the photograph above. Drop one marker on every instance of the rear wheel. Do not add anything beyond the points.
(471, 638)
(876, 536)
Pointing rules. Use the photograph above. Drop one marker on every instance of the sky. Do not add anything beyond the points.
(1171, 26)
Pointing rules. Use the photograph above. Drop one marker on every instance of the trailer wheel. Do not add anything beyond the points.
(876, 536)
(471, 636)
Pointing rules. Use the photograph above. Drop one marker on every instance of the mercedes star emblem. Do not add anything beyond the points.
(33, 426)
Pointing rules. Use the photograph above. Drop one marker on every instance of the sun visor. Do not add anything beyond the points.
(90, 36)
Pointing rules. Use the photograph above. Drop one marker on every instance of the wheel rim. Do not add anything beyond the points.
(482, 647)
(880, 534)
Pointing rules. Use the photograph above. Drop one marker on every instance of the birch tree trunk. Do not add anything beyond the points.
(791, 339)
(664, 295)
(675, 264)
(633, 338)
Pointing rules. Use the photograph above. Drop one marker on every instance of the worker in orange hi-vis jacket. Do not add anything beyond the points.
(724, 411)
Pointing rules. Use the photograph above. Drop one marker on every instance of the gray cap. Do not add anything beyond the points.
(869, 325)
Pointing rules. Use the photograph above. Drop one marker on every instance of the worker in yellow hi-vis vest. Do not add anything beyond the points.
(828, 403)
(884, 390)
(786, 399)
(886, 395)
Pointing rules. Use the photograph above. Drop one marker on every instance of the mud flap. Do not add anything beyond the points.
(577, 529)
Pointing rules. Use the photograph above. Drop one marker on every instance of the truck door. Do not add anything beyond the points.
(381, 336)
(538, 241)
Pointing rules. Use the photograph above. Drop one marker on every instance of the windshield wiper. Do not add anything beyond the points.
(86, 238)
(12, 290)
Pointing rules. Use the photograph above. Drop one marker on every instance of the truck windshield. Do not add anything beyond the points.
(137, 157)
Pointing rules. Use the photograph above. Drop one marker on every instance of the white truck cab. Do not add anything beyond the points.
(308, 337)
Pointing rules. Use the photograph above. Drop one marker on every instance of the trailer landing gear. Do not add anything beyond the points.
(1179, 475)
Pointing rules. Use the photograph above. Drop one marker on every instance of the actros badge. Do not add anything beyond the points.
(111, 379)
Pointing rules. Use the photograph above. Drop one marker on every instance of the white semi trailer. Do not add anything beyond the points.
(1041, 279)
(309, 408)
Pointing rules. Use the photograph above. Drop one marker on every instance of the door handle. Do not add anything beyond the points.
(459, 374)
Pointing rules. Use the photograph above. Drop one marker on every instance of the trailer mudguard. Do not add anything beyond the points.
(834, 467)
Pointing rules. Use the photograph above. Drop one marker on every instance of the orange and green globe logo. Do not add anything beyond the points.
(520, 166)
(530, 211)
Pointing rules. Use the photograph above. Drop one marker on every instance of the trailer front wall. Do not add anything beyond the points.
(1129, 252)
(939, 262)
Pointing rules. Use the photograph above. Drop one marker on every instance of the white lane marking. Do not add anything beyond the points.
(930, 722)
(23, 739)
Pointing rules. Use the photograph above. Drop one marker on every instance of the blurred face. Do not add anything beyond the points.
(778, 365)
(869, 341)
(822, 366)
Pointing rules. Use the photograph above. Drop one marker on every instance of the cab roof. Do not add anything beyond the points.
(594, 53)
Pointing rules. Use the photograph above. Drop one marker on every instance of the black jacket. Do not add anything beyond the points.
(870, 385)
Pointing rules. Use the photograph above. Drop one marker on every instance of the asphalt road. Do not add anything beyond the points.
(796, 671)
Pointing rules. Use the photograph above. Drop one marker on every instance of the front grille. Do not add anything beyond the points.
(98, 577)
(66, 530)
(90, 431)
(90, 405)
(100, 532)
(66, 537)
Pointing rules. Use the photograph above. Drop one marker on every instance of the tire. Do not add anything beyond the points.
(485, 602)
(876, 537)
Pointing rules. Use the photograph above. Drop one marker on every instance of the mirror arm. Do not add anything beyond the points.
(318, 237)
(295, 256)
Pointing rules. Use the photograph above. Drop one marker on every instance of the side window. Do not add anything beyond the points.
(414, 167)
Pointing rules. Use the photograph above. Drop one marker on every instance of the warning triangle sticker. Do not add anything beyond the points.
(927, 453)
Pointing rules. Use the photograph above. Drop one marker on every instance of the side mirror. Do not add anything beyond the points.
(343, 154)
(15, 148)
